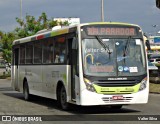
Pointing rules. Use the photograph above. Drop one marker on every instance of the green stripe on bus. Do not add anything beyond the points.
(65, 78)
(117, 90)
(64, 31)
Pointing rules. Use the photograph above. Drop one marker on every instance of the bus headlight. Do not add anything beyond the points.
(143, 84)
(89, 85)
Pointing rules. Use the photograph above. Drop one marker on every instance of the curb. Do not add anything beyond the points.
(154, 92)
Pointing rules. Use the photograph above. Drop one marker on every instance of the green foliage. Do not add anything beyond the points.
(4, 75)
(154, 87)
(1, 34)
(157, 64)
(27, 27)
(31, 26)
(6, 43)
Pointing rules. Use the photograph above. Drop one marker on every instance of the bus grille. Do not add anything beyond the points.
(115, 92)
(110, 100)
(117, 83)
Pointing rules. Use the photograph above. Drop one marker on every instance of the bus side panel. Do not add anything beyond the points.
(68, 82)
(77, 89)
(33, 75)
(42, 80)
(21, 76)
(15, 69)
(52, 74)
(13, 77)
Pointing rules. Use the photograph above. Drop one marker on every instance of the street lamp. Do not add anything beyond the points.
(102, 10)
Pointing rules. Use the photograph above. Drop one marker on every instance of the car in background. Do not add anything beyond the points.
(153, 70)
(154, 58)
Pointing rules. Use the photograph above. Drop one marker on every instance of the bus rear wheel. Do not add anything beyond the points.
(26, 91)
(62, 99)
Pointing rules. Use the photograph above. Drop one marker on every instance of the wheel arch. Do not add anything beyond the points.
(59, 85)
(24, 81)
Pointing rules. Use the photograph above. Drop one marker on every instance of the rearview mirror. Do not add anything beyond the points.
(148, 45)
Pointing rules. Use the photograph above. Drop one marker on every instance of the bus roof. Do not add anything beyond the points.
(64, 30)
(110, 23)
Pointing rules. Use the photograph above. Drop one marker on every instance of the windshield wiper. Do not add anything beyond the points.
(126, 49)
(103, 44)
(127, 46)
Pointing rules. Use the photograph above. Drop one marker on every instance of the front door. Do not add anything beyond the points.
(73, 62)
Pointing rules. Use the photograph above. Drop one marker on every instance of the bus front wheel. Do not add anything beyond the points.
(26, 91)
(62, 99)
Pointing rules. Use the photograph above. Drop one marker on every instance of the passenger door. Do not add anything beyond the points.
(73, 55)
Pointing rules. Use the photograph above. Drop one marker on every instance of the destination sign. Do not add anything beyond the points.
(120, 31)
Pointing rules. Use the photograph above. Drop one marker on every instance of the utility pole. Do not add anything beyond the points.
(21, 9)
(102, 10)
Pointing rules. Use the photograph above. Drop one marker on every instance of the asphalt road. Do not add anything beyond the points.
(13, 103)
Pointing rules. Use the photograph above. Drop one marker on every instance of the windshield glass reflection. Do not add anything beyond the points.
(123, 57)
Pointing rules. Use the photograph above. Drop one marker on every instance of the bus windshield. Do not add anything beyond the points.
(119, 57)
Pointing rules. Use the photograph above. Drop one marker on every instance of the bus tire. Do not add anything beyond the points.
(62, 99)
(26, 91)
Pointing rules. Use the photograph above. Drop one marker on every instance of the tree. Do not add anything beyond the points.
(28, 27)
(31, 26)
(6, 41)
(1, 34)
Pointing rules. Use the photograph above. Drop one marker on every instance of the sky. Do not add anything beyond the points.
(141, 12)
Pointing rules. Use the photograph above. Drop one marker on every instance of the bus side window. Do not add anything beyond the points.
(29, 53)
(48, 51)
(22, 54)
(60, 50)
(38, 53)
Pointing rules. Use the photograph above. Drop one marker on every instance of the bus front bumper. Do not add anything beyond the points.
(91, 98)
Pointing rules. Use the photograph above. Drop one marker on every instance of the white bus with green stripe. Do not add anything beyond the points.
(102, 63)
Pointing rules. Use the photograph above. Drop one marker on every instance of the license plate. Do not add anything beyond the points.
(117, 97)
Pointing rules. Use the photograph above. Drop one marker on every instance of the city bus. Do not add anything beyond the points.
(90, 64)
